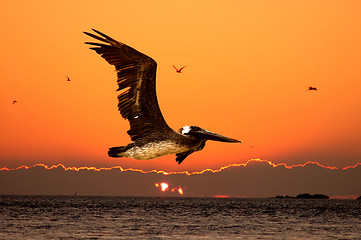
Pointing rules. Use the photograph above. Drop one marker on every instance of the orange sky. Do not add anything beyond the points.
(249, 66)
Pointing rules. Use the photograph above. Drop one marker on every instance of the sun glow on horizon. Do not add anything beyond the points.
(164, 187)
(179, 190)
(221, 196)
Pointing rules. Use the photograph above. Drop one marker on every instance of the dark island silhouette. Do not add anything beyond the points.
(359, 198)
(306, 196)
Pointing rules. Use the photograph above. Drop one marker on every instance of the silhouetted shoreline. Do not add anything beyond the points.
(306, 196)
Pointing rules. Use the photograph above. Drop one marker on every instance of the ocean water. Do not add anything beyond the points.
(70, 217)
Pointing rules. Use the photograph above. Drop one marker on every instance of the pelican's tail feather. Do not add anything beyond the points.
(116, 152)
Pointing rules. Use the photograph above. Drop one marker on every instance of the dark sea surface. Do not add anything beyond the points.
(70, 217)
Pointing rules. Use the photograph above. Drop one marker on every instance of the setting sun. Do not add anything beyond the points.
(163, 186)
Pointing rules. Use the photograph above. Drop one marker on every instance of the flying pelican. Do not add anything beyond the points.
(151, 136)
(67, 79)
(178, 70)
(15, 101)
(312, 88)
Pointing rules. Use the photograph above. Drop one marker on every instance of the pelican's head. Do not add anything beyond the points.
(200, 133)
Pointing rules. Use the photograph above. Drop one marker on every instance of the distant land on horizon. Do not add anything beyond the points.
(306, 196)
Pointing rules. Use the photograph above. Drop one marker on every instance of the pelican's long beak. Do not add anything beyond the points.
(204, 134)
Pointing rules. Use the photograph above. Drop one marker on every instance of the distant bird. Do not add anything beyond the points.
(68, 79)
(312, 88)
(151, 136)
(179, 70)
(15, 101)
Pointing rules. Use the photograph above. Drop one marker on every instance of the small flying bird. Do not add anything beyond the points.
(179, 70)
(312, 88)
(68, 79)
(150, 134)
(15, 101)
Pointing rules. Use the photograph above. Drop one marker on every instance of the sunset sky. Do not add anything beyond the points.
(249, 65)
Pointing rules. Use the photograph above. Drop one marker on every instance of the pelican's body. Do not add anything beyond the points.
(145, 150)
(151, 136)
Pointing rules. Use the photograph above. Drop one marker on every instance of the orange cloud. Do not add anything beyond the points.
(181, 172)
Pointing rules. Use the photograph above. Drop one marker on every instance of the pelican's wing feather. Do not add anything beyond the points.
(136, 79)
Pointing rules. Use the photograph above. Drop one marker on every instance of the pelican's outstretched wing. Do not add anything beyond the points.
(136, 77)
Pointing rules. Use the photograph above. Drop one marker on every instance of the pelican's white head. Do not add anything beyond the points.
(184, 130)
(200, 133)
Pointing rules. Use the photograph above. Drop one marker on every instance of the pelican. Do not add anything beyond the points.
(312, 88)
(150, 134)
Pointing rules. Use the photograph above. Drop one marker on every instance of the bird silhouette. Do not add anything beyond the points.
(68, 79)
(179, 70)
(15, 101)
(312, 89)
(150, 134)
